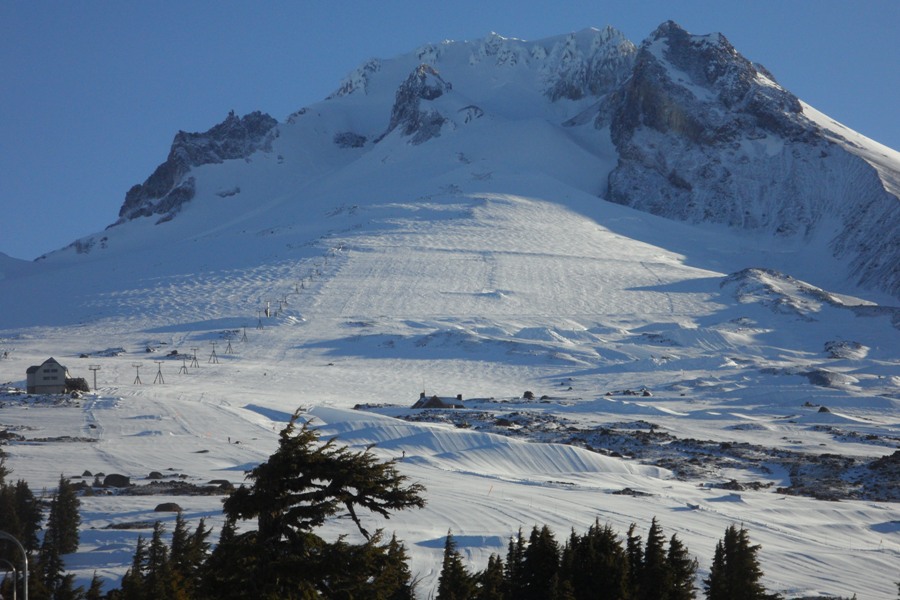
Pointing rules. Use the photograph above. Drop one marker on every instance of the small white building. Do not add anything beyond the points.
(47, 378)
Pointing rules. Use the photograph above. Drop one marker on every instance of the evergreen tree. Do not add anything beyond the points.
(735, 573)
(188, 552)
(634, 552)
(454, 582)
(37, 590)
(66, 590)
(394, 580)
(682, 569)
(9, 515)
(29, 514)
(95, 591)
(490, 581)
(221, 574)
(541, 565)
(64, 519)
(301, 485)
(595, 565)
(133, 587)
(514, 574)
(655, 579)
(60, 537)
(161, 582)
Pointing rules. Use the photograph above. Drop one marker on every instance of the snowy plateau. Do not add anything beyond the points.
(692, 273)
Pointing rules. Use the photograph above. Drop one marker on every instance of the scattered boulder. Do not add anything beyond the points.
(155, 475)
(223, 484)
(116, 480)
(167, 507)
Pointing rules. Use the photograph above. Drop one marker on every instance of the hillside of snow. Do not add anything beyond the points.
(442, 229)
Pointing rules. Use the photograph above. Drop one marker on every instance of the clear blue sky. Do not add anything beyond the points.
(93, 92)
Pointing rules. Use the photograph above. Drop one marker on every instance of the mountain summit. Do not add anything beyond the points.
(682, 126)
(644, 280)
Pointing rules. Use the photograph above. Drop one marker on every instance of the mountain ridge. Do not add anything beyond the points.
(697, 373)
(700, 133)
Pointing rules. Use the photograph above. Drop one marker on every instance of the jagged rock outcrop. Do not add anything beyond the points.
(574, 73)
(358, 80)
(408, 115)
(168, 188)
(705, 135)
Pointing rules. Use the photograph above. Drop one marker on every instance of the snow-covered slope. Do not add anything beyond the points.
(441, 228)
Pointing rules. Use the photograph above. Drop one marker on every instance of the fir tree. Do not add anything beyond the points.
(60, 537)
(221, 573)
(735, 573)
(161, 581)
(454, 582)
(29, 514)
(541, 565)
(394, 580)
(514, 574)
(9, 515)
(683, 571)
(490, 581)
(133, 587)
(64, 519)
(655, 579)
(634, 551)
(95, 590)
(188, 552)
(595, 564)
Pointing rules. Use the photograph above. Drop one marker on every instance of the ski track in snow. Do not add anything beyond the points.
(486, 295)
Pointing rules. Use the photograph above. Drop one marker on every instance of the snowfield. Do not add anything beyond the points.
(699, 374)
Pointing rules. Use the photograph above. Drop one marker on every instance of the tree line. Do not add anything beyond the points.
(269, 547)
(600, 565)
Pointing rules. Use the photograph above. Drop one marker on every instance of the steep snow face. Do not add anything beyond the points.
(706, 136)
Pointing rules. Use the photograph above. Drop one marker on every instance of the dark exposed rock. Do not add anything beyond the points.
(167, 507)
(407, 115)
(349, 139)
(594, 71)
(167, 189)
(704, 135)
(117, 481)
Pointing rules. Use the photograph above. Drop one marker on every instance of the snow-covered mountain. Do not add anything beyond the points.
(682, 126)
(692, 272)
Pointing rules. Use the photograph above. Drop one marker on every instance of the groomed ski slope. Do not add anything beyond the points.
(483, 263)
(481, 294)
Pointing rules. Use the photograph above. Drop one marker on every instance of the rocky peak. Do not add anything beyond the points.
(588, 63)
(358, 80)
(703, 134)
(407, 114)
(700, 87)
(168, 188)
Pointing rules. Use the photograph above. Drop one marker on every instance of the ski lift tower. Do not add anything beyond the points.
(94, 368)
